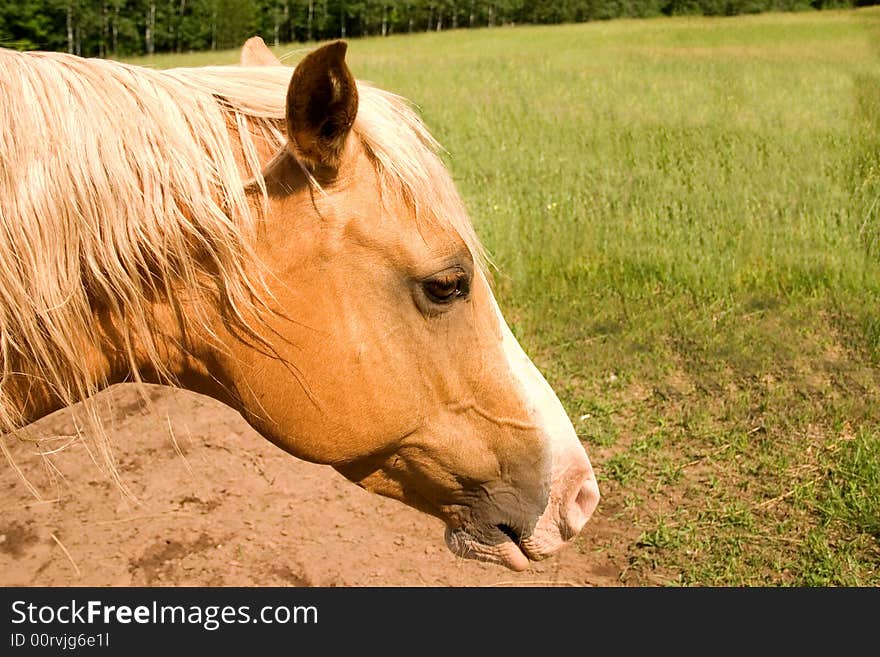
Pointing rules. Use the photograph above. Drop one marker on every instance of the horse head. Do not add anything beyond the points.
(394, 363)
(291, 244)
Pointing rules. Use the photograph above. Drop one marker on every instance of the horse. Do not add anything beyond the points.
(289, 242)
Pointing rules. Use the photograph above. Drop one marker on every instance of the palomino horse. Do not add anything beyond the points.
(290, 244)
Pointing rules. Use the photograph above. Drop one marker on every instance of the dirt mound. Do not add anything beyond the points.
(217, 505)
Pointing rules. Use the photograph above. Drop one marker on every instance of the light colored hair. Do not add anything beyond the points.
(120, 185)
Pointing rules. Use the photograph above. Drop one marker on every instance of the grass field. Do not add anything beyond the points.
(683, 213)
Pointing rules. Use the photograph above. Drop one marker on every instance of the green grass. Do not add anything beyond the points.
(685, 215)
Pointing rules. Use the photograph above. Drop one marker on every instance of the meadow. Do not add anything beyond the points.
(685, 218)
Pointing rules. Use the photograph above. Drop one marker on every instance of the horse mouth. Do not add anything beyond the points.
(508, 551)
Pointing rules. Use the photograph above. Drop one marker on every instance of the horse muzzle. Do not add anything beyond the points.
(514, 543)
(574, 495)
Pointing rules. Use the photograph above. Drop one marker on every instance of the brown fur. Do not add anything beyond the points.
(339, 354)
(322, 103)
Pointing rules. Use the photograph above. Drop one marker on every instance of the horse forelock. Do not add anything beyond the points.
(404, 152)
(406, 156)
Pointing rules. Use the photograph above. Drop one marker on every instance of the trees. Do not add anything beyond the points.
(126, 27)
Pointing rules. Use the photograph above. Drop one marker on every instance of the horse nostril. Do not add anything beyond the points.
(510, 532)
(581, 506)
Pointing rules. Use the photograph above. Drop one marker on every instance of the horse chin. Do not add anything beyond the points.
(506, 553)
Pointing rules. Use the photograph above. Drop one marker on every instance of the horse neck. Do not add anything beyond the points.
(112, 355)
(109, 359)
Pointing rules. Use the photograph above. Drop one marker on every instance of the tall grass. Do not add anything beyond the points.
(685, 214)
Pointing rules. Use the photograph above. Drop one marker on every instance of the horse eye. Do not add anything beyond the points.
(446, 287)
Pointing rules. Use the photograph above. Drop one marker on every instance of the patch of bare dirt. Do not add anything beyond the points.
(216, 505)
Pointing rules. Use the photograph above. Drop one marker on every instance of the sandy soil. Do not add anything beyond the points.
(216, 505)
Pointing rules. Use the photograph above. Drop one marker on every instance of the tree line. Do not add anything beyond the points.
(134, 27)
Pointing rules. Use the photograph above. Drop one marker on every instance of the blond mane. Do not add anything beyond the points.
(120, 185)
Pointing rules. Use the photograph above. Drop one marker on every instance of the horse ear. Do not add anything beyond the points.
(255, 52)
(322, 102)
